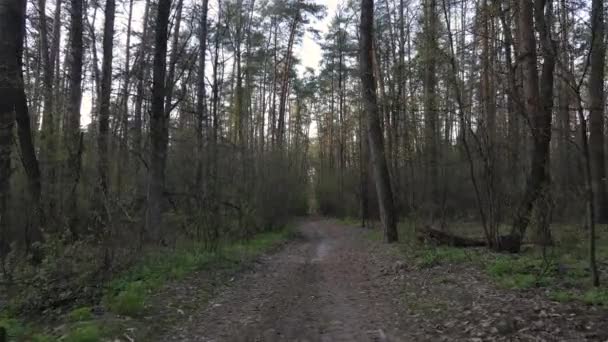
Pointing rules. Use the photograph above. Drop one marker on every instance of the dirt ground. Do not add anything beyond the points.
(333, 283)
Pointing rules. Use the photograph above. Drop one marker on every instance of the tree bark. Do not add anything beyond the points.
(104, 100)
(374, 131)
(141, 76)
(513, 110)
(47, 135)
(564, 174)
(430, 102)
(9, 27)
(72, 130)
(201, 109)
(159, 130)
(596, 111)
(539, 111)
(173, 59)
(363, 171)
(124, 115)
(13, 102)
(280, 137)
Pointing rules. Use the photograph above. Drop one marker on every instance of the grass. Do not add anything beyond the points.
(563, 270)
(80, 314)
(562, 296)
(128, 294)
(431, 257)
(20, 331)
(596, 296)
(15, 329)
(521, 271)
(592, 296)
(350, 221)
(565, 276)
(131, 299)
(88, 332)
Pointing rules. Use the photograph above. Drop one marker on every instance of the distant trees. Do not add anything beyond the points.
(429, 110)
(197, 120)
(156, 162)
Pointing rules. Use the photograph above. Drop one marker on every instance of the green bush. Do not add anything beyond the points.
(42, 338)
(69, 272)
(130, 301)
(127, 294)
(14, 328)
(435, 256)
(518, 281)
(521, 272)
(562, 296)
(330, 200)
(80, 314)
(596, 296)
(85, 333)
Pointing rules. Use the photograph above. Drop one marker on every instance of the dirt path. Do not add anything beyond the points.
(333, 284)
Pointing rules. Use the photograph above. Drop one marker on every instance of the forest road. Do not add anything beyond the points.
(327, 285)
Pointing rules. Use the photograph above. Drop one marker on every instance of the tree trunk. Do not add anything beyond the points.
(124, 115)
(72, 130)
(238, 91)
(47, 136)
(10, 21)
(285, 83)
(104, 101)
(159, 130)
(173, 59)
(54, 59)
(430, 103)
(512, 91)
(141, 76)
(590, 203)
(363, 171)
(538, 111)
(374, 131)
(564, 175)
(201, 91)
(596, 112)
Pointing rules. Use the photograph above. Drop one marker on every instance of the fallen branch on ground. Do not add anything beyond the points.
(439, 237)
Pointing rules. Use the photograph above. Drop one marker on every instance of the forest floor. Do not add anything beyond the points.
(334, 282)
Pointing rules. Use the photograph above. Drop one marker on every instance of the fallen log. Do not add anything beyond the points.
(506, 243)
(439, 237)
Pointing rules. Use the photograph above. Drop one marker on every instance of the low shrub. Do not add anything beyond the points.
(130, 301)
(80, 314)
(88, 332)
(596, 296)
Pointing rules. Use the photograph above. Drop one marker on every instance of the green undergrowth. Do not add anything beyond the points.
(129, 293)
(350, 221)
(427, 258)
(85, 332)
(593, 296)
(561, 271)
(80, 314)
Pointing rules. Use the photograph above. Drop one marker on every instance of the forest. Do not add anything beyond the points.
(143, 141)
